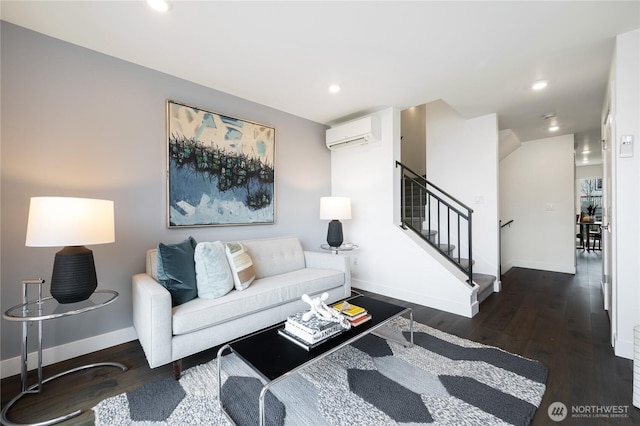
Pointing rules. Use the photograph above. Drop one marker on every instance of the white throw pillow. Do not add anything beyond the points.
(241, 265)
(213, 275)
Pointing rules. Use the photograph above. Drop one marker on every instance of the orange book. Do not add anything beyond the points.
(362, 319)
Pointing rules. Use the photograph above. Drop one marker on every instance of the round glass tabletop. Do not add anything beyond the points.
(343, 247)
(49, 308)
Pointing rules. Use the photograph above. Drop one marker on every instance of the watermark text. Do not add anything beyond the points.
(559, 411)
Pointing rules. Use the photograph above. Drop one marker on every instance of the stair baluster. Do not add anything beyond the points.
(414, 216)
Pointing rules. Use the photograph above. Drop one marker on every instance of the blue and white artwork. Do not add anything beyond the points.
(221, 169)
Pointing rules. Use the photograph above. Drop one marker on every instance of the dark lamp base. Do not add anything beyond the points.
(74, 275)
(334, 234)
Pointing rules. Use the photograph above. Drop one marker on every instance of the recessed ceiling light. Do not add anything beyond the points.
(539, 85)
(159, 5)
(554, 128)
(334, 88)
(586, 151)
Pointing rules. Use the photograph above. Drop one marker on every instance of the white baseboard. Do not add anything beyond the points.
(544, 266)
(506, 267)
(604, 286)
(623, 348)
(475, 308)
(12, 366)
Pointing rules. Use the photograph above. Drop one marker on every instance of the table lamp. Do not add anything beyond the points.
(72, 223)
(334, 209)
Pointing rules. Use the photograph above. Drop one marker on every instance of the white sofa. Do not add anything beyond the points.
(284, 272)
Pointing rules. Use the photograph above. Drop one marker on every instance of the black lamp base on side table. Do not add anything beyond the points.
(74, 275)
(334, 233)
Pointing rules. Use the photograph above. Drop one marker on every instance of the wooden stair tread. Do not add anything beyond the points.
(483, 280)
(464, 263)
(447, 248)
(429, 233)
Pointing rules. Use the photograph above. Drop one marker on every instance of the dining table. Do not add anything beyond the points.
(584, 232)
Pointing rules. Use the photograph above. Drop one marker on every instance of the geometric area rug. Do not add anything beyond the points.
(441, 380)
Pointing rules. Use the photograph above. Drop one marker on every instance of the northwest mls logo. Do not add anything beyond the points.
(557, 411)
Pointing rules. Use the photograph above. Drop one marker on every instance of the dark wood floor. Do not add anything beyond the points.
(555, 318)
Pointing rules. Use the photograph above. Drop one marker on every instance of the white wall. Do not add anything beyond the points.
(507, 143)
(589, 172)
(625, 108)
(537, 192)
(389, 261)
(413, 153)
(80, 123)
(462, 159)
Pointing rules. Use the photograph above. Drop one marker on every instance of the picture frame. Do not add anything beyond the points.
(220, 169)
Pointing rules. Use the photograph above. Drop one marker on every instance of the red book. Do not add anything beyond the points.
(358, 321)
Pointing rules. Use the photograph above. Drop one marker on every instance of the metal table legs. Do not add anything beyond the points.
(37, 388)
(378, 331)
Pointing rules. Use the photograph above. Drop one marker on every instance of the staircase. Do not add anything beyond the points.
(444, 223)
(485, 284)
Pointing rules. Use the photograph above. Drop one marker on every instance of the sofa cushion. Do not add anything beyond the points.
(176, 270)
(241, 265)
(213, 275)
(263, 293)
(274, 256)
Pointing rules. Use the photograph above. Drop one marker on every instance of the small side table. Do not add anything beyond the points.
(40, 310)
(343, 247)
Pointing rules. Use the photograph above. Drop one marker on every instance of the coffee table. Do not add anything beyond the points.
(274, 358)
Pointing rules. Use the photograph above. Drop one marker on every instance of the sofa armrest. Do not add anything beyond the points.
(314, 259)
(152, 318)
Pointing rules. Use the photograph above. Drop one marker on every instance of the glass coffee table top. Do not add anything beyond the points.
(272, 355)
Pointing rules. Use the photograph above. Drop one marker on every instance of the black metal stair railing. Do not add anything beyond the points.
(447, 219)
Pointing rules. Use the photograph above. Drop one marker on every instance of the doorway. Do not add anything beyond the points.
(589, 216)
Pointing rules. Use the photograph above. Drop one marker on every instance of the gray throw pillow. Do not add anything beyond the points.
(213, 275)
(176, 270)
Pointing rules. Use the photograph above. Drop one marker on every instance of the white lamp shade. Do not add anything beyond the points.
(66, 221)
(335, 208)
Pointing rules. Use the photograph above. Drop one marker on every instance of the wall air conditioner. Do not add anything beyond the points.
(356, 132)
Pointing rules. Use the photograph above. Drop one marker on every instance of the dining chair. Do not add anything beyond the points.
(597, 236)
(579, 234)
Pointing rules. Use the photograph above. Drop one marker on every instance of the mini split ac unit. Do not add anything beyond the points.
(356, 132)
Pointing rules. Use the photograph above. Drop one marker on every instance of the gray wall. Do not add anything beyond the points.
(79, 123)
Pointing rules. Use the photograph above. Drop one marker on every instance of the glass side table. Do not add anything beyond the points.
(42, 309)
(343, 247)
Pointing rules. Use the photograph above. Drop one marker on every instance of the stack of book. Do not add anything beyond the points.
(310, 333)
(356, 315)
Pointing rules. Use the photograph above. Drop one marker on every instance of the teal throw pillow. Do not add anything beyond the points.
(177, 271)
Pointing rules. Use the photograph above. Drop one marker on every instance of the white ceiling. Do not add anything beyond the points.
(479, 56)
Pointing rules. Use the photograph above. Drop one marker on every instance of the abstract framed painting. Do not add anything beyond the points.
(220, 169)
